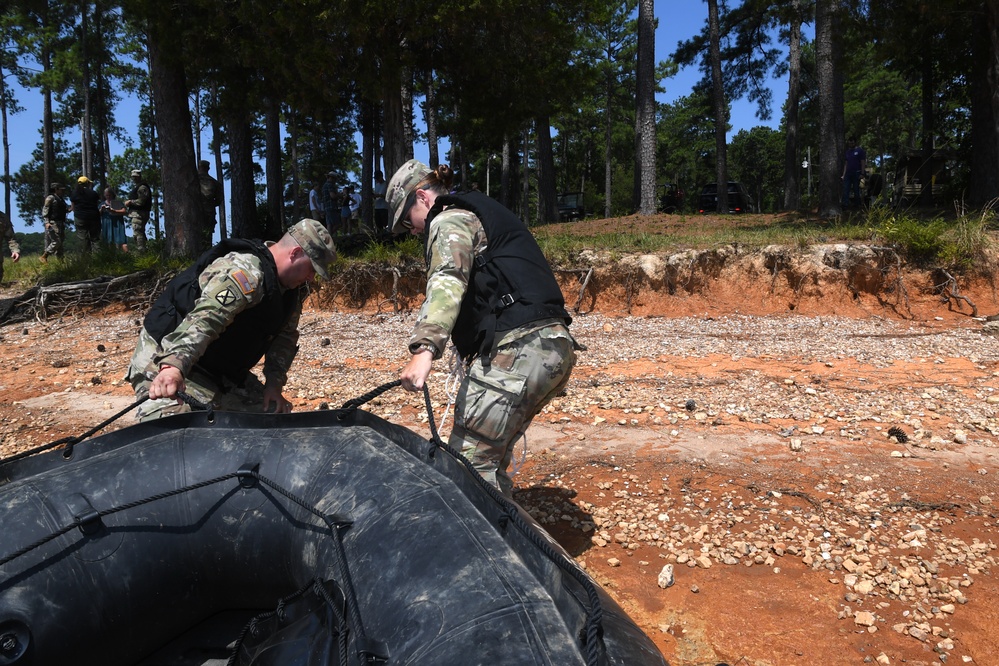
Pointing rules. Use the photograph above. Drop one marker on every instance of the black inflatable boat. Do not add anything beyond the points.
(330, 537)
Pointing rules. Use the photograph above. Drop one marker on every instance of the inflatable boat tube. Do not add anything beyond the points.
(329, 537)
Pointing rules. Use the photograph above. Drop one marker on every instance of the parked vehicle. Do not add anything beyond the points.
(672, 198)
(570, 206)
(739, 200)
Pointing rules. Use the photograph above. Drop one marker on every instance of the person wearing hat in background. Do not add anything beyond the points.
(240, 301)
(211, 198)
(138, 205)
(491, 291)
(331, 204)
(86, 205)
(54, 217)
(7, 234)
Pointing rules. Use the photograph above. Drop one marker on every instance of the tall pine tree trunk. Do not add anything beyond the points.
(395, 118)
(430, 118)
(244, 200)
(6, 143)
(217, 146)
(792, 181)
(645, 122)
(547, 207)
(275, 183)
(721, 108)
(984, 185)
(830, 134)
(183, 218)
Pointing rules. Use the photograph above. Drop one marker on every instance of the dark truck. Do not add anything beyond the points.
(739, 200)
(570, 206)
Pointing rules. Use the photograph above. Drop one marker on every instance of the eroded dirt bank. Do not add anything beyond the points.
(734, 425)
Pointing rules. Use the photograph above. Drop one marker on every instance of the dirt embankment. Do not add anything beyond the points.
(850, 280)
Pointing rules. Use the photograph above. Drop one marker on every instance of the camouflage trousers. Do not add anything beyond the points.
(495, 405)
(55, 235)
(223, 395)
(139, 222)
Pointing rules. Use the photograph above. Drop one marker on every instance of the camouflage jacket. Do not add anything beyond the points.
(54, 209)
(7, 233)
(229, 285)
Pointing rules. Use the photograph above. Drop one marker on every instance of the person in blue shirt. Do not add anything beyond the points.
(854, 167)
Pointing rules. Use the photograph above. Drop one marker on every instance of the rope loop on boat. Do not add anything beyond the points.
(595, 613)
(71, 442)
(351, 405)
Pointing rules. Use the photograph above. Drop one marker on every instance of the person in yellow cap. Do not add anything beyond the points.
(86, 205)
(491, 291)
(239, 302)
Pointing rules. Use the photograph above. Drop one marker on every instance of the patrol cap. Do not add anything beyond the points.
(83, 180)
(136, 172)
(400, 186)
(313, 237)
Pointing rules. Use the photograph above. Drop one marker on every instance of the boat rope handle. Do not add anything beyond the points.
(595, 612)
(70, 442)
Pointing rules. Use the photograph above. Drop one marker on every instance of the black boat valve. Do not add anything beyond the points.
(14, 640)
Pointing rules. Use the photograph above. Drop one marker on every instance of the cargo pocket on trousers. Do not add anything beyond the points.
(490, 400)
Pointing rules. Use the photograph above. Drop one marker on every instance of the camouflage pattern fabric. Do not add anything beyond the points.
(222, 395)
(54, 217)
(495, 405)
(456, 236)
(400, 186)
(532, 363)
(138, 212)
(211, 197)
(230, 285)
(7, 234)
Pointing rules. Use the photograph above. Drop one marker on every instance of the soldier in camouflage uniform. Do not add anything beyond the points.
(240, 301)
(7, 234)
(211, 197)
(491, 291)
(54, 216)
(138, 205)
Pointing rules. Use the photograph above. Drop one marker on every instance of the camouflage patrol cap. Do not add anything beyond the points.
(400, 186)
(317, 243)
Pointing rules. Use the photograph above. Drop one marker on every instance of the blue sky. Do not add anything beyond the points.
(678, 20)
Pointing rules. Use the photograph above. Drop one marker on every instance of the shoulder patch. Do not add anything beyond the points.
(240, 278)
(226, 297)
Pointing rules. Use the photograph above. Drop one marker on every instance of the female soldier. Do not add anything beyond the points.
(491, 291)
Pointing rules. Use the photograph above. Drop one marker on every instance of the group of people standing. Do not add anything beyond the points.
(339, 209)
(99, 218)
(490, 291)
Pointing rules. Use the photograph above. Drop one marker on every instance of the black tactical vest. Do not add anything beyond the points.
(511, 283)
(244, 342)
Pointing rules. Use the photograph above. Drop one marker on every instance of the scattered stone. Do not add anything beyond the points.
(666, 577)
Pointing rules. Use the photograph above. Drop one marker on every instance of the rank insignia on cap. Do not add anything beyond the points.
(225, 297)
(244, 282)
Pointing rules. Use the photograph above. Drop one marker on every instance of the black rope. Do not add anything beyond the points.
(73, 441)
(351, 405)
(595, 613)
